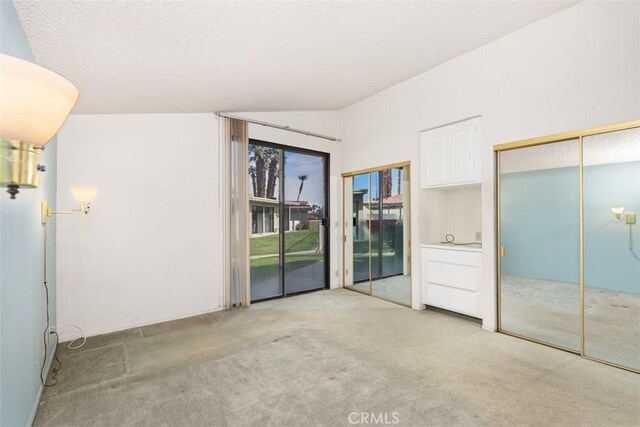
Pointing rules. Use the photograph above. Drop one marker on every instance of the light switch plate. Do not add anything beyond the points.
(630, 218)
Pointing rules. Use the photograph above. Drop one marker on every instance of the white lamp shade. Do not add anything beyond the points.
(84, 195)
(34, 101)
(617, 210)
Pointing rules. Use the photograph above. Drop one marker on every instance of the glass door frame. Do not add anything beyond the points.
(405, 166)
(281, 198)
(550, 139)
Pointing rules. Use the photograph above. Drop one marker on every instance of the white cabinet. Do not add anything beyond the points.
(434, 159)
(451, 278)
(450, 155)
(465, 153)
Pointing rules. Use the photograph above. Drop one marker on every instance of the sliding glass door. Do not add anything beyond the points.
(305, 222)
(376, 233)
(288, 203)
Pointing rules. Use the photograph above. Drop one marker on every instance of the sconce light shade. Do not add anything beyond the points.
(84, 195)
(35, 101)
(617, 210)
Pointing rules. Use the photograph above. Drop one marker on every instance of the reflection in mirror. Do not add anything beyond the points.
(376, 228)
(393, 280)
(612, 247)
(375, 224)
(540, 236)
(359, 236)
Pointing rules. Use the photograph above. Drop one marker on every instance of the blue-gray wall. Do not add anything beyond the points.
(540, 225)
(22, 303)
(608, 262)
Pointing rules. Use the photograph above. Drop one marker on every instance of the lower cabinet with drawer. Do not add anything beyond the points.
(451, 278)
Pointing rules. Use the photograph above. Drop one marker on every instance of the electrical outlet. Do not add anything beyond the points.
(478, 236)
(630, 218)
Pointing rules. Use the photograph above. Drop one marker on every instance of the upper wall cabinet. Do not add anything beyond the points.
(451, 155)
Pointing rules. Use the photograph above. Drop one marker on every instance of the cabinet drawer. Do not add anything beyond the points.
(458, 300)
(471, 259)
(457, 276)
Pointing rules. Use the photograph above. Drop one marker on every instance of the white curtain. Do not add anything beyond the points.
(235, 146)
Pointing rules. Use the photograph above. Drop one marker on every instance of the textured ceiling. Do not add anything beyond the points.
(607, 148)
(204, 56)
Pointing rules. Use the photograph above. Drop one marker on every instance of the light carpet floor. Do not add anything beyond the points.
(549, 311)
(315, 359)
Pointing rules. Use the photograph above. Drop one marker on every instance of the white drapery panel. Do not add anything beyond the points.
(235, 144)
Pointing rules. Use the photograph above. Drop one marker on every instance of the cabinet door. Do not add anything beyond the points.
(465, 153)
(435, 154)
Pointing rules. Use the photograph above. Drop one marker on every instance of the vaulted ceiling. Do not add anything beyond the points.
(205, 56)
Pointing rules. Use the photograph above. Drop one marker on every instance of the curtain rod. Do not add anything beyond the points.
(272, 125)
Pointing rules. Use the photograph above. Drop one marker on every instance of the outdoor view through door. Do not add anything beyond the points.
(288, 205)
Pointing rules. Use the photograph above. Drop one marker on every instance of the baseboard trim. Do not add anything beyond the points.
(489, 328)
(36, 404)
(67, 337)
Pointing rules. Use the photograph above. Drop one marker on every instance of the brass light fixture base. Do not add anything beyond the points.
(45, 212)
(19, 165)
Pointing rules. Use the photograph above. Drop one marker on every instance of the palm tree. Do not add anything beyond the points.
(302, 179)
(258, 158)
(273, 158)
(386, 183)
(252, 174)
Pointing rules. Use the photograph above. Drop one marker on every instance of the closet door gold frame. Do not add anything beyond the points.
(550, 139)
(407, 244)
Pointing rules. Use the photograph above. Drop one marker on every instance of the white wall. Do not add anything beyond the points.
(456, 211)
(150, 249)
(576, 69)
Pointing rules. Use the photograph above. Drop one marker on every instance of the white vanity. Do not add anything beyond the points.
(451, 277)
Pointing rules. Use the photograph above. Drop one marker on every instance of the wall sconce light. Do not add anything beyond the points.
(82, 195)
(629, 218)
(35, 103)
(617, 211)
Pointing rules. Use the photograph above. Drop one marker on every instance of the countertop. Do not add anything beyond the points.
(476, 247)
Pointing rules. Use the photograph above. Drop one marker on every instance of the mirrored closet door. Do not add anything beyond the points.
(569, 244)
(540, 243)
(376, 227)
(612, 247)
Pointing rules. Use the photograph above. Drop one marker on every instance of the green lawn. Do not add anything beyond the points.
(295, 241)
(268, 267)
